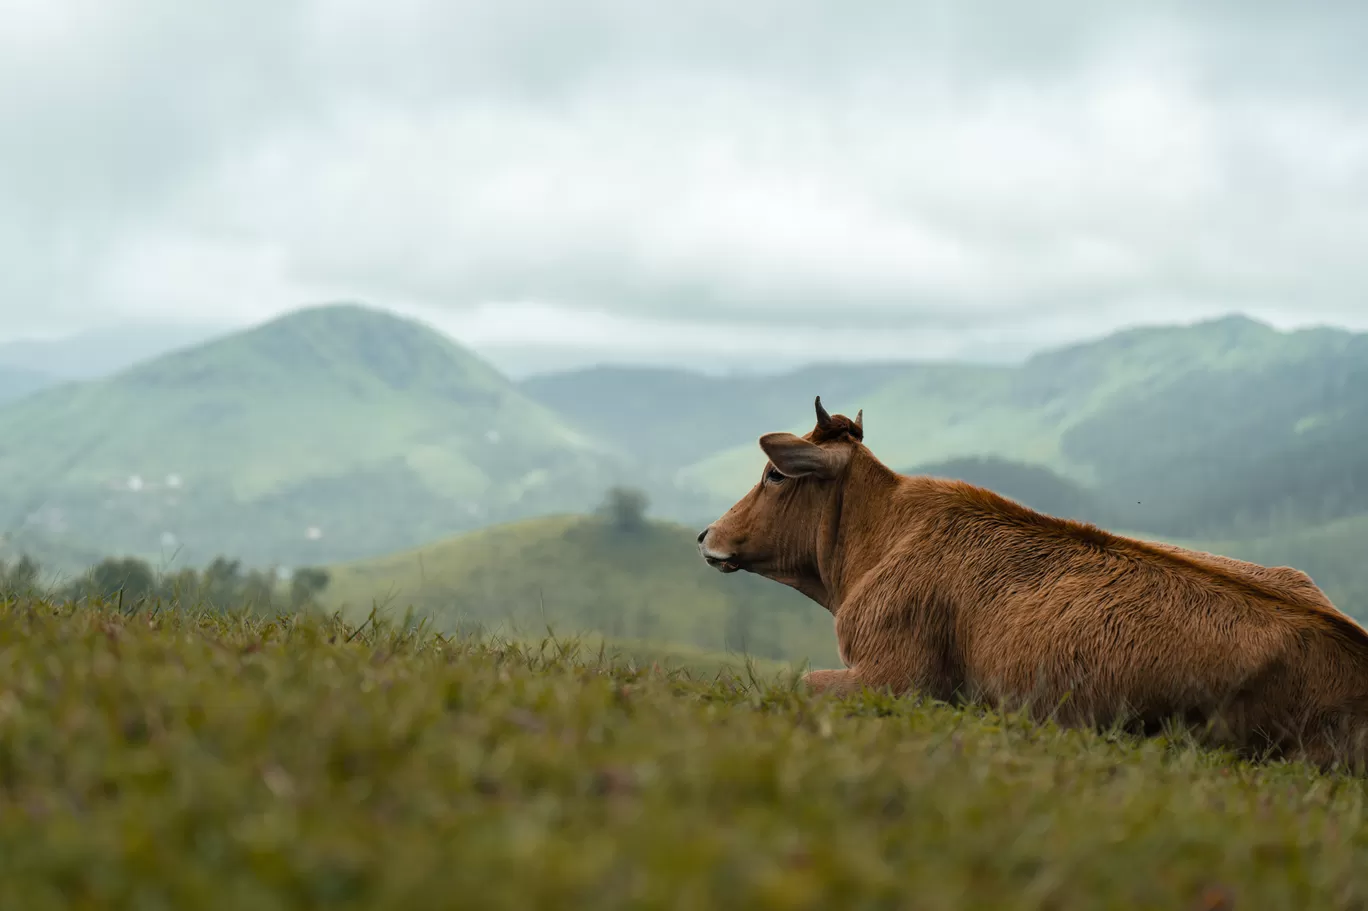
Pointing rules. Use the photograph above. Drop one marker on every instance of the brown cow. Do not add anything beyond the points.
(956, 592)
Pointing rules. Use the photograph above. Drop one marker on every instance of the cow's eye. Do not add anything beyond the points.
(774, 476)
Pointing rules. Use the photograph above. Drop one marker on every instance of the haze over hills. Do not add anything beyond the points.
(342, 432)
(669, 418)
(18, 382)
(96, 353)
(371, 431)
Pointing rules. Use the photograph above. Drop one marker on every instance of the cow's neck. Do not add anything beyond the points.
(843, 551)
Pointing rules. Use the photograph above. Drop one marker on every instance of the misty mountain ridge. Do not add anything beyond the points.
(341, 432)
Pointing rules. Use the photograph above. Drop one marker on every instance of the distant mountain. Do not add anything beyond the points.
(670, 418)
(17, 382)
(329, 433)
(1275, 443)
(100, 352)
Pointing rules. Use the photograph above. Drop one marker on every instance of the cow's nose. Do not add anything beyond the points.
(703, 534)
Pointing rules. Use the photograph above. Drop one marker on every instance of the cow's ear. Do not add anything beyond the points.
(796, 457)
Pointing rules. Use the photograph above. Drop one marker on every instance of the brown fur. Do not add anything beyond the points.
(951, 590)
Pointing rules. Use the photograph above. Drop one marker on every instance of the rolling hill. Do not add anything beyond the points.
(330, 433)
(582, 574)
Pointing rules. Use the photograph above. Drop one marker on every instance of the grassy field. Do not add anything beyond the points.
(163, 759)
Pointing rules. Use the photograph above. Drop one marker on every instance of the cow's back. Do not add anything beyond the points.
(1064, 614)
(1291, 583)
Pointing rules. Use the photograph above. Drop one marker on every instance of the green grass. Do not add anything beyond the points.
(667, 656)
(175, 760)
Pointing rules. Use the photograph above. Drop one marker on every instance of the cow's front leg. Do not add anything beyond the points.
(837, 683)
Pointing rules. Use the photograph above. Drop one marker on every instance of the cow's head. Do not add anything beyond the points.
(774, 530)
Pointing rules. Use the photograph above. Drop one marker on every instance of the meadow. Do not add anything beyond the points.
(159, 756)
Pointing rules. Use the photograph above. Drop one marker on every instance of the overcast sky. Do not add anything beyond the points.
(705, 178)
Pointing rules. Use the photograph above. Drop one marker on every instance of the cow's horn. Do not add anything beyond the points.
(823, 419)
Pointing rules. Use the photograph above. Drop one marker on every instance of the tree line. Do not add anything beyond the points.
(223, 584)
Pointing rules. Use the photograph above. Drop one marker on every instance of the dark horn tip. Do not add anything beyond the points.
(822, 417)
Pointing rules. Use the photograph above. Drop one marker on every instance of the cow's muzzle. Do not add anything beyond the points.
(725, 566)
(722, 562)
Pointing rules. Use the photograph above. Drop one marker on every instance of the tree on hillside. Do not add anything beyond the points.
(306, 585)
(128, 579)
(625, 508)
(257, 590)
(221, 581)
(182, 587)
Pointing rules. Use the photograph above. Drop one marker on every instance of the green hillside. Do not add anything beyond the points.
(584, 574)
(1251, 451)
(378, 431)
(1223, 428)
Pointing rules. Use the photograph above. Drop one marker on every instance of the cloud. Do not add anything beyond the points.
(940, 174)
